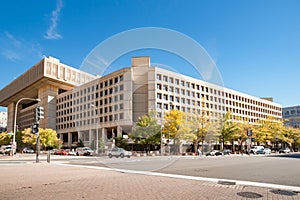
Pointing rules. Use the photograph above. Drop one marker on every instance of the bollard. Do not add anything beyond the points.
(48, 156)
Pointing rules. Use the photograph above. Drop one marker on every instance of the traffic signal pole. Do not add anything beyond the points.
(38, 115)
(37, 147)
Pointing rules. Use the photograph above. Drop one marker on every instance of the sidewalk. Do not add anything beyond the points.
(52, 181)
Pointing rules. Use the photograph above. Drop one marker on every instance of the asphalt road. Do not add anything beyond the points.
(277, 169)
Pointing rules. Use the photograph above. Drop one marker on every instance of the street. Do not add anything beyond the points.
(279, 169)
(81, 178)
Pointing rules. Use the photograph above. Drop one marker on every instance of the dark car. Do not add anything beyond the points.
(285, 150)
(28, 150)
(214, 153)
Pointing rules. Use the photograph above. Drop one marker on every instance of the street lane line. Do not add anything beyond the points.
(214, 180)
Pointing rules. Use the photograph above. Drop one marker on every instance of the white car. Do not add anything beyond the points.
(267, 151)
(119, 152)
(84, 151)
(286, 150)
(254, 149)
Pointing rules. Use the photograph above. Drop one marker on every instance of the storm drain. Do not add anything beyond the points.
(226, 183)
(284, 192)
(251, 195)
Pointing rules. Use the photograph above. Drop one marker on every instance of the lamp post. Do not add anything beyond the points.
(97, 142)
(15, 120)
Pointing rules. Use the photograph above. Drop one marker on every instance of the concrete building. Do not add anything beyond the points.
(3, 121)
(103, 107)
(44, 81)
(292, 116)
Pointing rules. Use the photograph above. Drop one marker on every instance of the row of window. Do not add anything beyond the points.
(108, 83)
(206, 89)
(192, 102)
(216, 107)
(109, 118)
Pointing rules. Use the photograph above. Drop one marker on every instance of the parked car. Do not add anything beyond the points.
(84, 151)
(61, 152)
(254, 149)
(6, 149)
(119, 152)
(214, 153)
(226, 152)
(71, 152)
(285, 150)
(264, 151)
(28, 150)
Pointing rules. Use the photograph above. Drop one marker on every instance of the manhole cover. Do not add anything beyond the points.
(251, 195)
(226, 183)
(284, 192)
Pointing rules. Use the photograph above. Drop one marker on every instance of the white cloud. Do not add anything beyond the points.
(52, 33)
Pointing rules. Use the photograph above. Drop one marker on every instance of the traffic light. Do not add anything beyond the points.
(39, 113)
(35, 128)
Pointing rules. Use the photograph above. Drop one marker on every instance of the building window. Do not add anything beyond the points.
(165, 78)
(159, 95)
(158, 105)
(158, 77)
(158, 86)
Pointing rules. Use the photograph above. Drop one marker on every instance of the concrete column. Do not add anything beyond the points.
(47, 94)
(10, 117)
(90, 137)
(119, 131)
(70, 139)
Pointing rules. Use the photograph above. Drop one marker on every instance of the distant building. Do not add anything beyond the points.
(3, 121)
(292, 116)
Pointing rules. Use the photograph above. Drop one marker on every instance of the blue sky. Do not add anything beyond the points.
(255, 44)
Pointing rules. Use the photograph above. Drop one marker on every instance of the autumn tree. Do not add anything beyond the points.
(294, 136)
(5, 138)
(48, 137)
(176, 126)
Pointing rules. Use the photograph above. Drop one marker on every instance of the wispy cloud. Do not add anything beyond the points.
(15, 49)
(13, 40)
(52, 33)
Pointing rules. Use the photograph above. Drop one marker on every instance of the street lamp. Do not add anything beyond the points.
(97, 142)
(15, 120)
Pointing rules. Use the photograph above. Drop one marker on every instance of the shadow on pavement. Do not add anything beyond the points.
(286, 155)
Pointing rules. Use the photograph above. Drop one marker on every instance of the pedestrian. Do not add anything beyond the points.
(199, 152)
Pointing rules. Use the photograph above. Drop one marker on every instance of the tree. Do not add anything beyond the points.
(227, 129)
(294, 136)
(147, 131)
(176, 126)
(5, 138)
(48, 137)
(199, 128)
